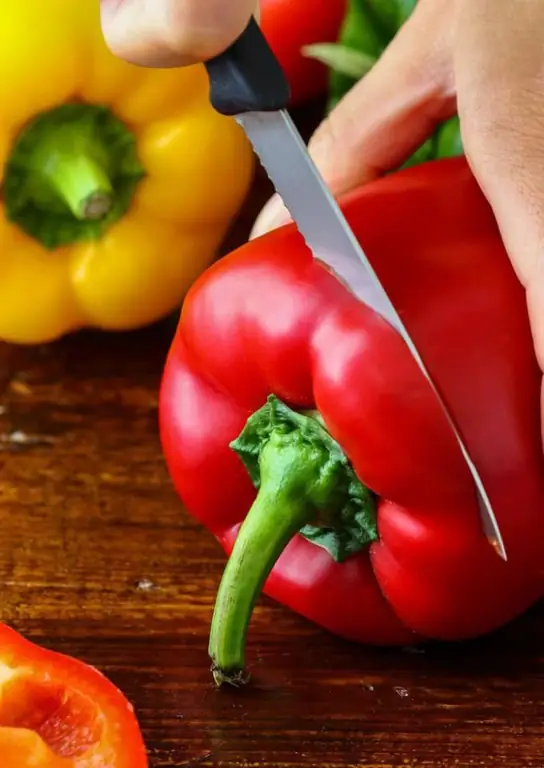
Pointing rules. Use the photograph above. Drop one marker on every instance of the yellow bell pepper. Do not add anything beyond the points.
(118, 182)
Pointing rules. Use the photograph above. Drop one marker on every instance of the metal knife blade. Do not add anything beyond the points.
(320, 221)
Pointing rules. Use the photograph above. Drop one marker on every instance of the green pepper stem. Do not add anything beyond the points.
(306, 485)
(71, 173)
(273, 520)
(81, 183)
(68, 162)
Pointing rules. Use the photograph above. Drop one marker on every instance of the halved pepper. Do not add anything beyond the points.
(58, 712)
(297, 427)
(118, 182)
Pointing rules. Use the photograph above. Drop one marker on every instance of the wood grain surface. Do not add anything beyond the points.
(98, 559)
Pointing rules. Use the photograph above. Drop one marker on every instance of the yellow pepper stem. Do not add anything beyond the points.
(71, 173)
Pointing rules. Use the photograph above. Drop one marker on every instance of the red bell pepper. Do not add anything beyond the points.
(57, 712)
(365, 520)
(289, 26)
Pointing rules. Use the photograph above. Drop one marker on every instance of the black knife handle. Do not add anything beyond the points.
(247, 77)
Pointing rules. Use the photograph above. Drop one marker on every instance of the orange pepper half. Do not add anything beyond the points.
(57, 712)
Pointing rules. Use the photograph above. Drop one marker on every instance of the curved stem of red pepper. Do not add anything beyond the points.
(303, 477)
(275, 517)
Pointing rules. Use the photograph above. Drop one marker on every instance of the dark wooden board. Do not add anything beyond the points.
(98, 559)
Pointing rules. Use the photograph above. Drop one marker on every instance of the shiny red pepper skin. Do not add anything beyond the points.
(58, 712)
(268, 319)
(289, 26)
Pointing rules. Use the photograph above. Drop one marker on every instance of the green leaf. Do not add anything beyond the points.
(405, 9)
(361, 31)
(340, 58)
(385, 15)
(364, 28)
(423, 154)
(448, 139)
(368, 28)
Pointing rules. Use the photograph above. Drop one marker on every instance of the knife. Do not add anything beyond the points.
(248, 83)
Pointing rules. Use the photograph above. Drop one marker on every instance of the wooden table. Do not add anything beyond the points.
(99, 560)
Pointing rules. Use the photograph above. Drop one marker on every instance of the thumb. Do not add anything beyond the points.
(170, 33)
(389, 113)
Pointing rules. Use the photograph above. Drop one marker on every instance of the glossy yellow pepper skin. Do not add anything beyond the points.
(196, 167)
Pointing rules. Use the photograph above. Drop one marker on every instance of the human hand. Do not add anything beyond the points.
(170, 33)
(483, 58)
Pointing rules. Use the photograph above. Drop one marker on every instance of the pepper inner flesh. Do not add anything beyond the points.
(66, 722)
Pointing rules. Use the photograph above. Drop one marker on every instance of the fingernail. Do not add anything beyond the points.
(273, 215)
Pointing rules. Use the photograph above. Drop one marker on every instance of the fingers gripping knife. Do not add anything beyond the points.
(247, 82)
